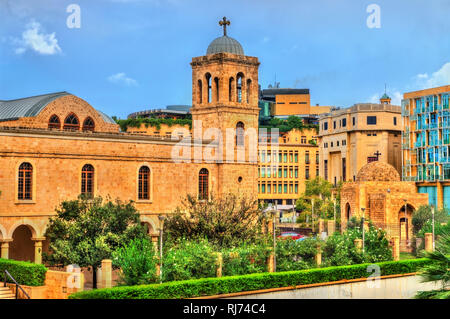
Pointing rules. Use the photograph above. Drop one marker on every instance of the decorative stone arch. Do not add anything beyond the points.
(150, 183)
(208, 87)
(347, 211)
(24, 235)
(240, 87)
(231, 89)
(54, 122)
(153, 228)
(77, 106)
(3, 233)
(404, 222)
(36, 231)
(71, 122)
(249, 90)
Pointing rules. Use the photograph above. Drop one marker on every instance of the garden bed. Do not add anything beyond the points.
(253, 282)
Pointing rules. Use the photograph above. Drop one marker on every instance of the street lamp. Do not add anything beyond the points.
(432, 225)
(161, 227)
(312, 215)
(334, 207)
(363, 209)
(406, 221)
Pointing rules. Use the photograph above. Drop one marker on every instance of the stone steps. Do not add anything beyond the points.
(6, 293)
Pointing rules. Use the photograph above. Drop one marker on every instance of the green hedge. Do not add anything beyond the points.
(25, 273)
(224, 285)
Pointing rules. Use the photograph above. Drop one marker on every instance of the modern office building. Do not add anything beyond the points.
(284, 102)
(426, 142)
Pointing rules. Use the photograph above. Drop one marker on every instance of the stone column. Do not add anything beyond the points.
(358, 244)
(106, 278)
(331, 227)
(440, 196)
(429, 242)
(395, 247)
(155, 239)
(318, 257)
(5, 248)
(321, 224)
(38, 249)
(418, 242)
(219, 265)
(270, 262)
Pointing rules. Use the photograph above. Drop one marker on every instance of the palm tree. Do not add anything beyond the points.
(438, 270)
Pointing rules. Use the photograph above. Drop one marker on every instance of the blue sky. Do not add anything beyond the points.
(131, 55)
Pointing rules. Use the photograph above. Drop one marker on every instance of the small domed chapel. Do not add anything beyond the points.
(379, 194)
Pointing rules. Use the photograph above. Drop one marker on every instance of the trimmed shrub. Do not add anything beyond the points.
(296, 255)
(246, 259)
(224, 285)
(137, 261)
(189, 259)
(25, 273)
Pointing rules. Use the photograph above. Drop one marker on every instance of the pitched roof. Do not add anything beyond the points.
(26, 107)
(31, 106)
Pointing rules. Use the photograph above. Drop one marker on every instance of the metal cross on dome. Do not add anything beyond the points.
(224, 22)
(377, 154)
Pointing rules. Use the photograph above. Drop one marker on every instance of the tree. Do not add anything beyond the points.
(423, 215)
(84, 232)
(340, 248)
(319, 190)
(224, 222)
(438, 270)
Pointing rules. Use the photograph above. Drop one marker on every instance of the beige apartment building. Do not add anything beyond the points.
(284, 167)
(352, 137)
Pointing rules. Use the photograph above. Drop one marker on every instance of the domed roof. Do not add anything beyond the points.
(225, 44)
(378, 172)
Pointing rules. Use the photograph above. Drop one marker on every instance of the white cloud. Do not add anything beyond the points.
(265, 39)
(121, 78)
(438, 78)
(33, 38)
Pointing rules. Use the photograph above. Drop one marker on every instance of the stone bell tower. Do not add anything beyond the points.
(225, 97)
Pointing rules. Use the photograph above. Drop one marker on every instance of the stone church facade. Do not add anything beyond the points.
(55, 147)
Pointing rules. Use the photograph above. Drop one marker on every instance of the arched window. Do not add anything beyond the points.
(230, 89)
(240, 134)
(249, 86)
(144, 183)
(239, 79)
(54, 122)
(216, 89)
(88, 124)
(203, 178)
(25, 182)
(72, 123)
(87, 180)
(208, 88)
(199, 92)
